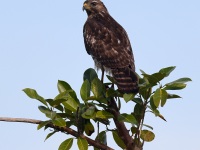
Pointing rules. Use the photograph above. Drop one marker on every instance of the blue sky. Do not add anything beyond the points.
(41, 42)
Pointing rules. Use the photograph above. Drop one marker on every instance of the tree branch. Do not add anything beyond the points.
(62, 129)
(121, 128)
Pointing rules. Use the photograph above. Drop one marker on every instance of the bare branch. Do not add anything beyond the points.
(24, 120)
(62, 129)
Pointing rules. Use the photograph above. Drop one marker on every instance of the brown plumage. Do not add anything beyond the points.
(108, 44)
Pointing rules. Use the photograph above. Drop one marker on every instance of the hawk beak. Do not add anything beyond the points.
(85, 6)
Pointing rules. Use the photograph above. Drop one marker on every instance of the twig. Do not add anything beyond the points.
(62, 129)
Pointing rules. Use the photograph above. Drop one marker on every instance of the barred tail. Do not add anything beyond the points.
(126, 80)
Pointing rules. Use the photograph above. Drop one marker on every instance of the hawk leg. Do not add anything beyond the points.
(102, 75)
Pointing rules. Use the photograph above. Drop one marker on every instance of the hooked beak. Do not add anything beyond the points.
(85, 6)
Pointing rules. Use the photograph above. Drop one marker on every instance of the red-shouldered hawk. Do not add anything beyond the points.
(108, 44)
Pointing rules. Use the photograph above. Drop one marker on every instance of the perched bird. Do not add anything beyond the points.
(108, 44)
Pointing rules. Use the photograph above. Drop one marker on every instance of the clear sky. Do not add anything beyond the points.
(41, 41)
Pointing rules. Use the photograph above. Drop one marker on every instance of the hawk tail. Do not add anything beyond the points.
(126, 80)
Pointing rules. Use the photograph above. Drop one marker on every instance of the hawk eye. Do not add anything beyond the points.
(93, 4)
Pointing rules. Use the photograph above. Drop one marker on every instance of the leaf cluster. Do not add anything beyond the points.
(66, 110)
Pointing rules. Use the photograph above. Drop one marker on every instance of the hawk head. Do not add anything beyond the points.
(94, 7)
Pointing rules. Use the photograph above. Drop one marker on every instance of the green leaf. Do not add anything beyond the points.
(42, 124)
(163, 97)
(143, 82)
(138, 101)
(99, 99)
(147, 135)
(66, 145)
(111, 93)
(157, 113)
(82, 144)
(148, 126)
(142, 71)
(175, 86)
(154, 78)
(153, 107)
(138, 109)
(47, 112)
(49, 101)
(118, 140)
(63, 86)
(59, 122)
(97, 87)
(59, 107)
(66, 115)
(182, 80)
(102, 100)
(111, 78)
(170, 96)
(71, 104)
(57, 102)
(128, 97)
(157, 97)
(127, 118)
(133, 130)
(160, 95)
(103, 114)
(69, 123)
(62, 95)
(89, 75)
(89, 113)
(85, 90)
(167, 70)
(158, 76)
(50, 134)
(102, 138)
(145, 90)
(34, 95)
(44, 110)
(89, 128)
(72, 95)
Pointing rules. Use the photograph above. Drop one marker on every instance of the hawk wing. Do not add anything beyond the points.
(108, 43)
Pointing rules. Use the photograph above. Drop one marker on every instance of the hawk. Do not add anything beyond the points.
(108, 44)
